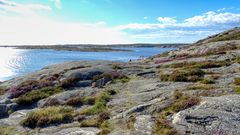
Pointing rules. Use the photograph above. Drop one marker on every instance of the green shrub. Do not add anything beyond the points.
(79, 101)
(237, 81)
(106, 128)
(235, 36)
(96, 122)
(207, 81)
(101, 101)
(67, 83)
(238, 59)
(190, 75)
(92, 122)
(47, 116)
(237, 90)
(202, 87)
(36, 95)
(75, 101)
(202, 64)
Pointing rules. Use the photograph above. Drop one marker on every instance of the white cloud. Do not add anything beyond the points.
(24, 24)
(213, 18)
(15, 30)
(167, 20)
(58, 3)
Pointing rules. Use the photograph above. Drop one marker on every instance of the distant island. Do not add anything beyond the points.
(95, 48)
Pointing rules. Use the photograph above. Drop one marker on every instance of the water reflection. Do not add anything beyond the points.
(10, 62)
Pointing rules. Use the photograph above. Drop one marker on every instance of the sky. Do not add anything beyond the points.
(50, 22)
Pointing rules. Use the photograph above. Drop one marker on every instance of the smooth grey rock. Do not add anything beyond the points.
(144, 125)
(213, 115)
(78, 131)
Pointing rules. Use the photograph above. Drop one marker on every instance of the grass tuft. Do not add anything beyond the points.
(48, 116)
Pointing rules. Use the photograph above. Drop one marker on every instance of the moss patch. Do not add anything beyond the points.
(47, 116)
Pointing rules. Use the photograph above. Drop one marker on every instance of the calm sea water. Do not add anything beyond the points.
(16, 62)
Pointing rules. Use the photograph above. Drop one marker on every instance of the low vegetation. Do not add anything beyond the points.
(101, 121)
(67, 83)
(238, 59)
(190, 75)
(207, 81)
(100, 104)
(181, 102)
(237, 81)
(79, 101)
(130, 122)
(28, 86)
(2, 90)
(114, 76)
(227, 37)
(237, 90)
(48, 116)
(36, 95)
(202, 64)
(7, 130)
(202, 87)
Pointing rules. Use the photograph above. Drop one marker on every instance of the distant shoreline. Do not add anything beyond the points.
(94, 48)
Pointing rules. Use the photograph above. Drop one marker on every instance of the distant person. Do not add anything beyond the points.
(130, 60)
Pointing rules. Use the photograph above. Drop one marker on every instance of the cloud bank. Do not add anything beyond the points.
(22, 24)
(191, 29)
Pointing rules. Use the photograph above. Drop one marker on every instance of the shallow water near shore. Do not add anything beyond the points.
(16, 62)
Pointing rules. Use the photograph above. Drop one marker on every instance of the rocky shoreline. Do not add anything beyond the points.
(192, 90)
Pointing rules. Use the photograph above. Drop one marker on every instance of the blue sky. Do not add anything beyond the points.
(114, 21)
